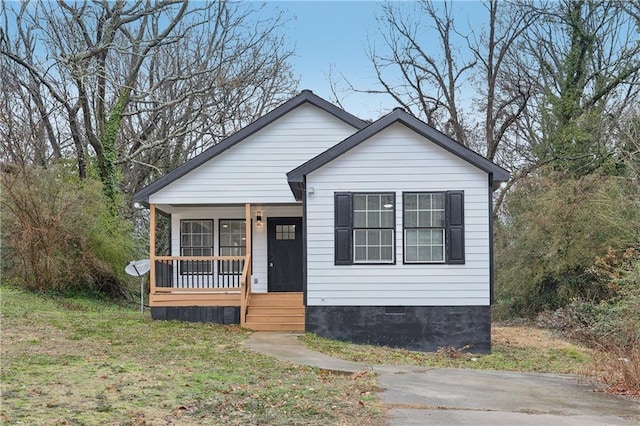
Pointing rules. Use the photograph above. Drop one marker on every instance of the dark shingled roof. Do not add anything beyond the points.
(296, 176)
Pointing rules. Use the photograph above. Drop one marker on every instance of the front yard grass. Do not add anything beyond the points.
(78, 361)
(513, 349)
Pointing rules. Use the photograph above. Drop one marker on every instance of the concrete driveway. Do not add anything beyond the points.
(420, 396)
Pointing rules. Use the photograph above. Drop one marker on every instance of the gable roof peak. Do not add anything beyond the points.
(305, 96)
(398, 115)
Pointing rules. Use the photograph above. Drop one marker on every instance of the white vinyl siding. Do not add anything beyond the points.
(254, 170)
(397, 160)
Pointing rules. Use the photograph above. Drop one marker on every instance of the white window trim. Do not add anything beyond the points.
(442, 228)
(391, 228)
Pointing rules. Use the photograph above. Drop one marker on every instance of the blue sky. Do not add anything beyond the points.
(335, 34)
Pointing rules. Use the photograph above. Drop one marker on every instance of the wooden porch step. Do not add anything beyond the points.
(284, 319)
(274, 327)
(275, 312)
(277, 295)
(276, 300)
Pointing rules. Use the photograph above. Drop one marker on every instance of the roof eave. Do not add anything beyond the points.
(297, 188)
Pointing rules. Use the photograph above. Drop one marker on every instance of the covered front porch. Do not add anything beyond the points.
(192, 283)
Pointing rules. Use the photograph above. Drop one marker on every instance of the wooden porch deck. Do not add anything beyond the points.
(264, 311)
(223, 281)
(280, 311)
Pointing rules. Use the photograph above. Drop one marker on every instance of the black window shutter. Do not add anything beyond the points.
(343, 228)
(455, 227)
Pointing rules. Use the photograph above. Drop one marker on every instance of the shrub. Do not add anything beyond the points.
(60, 234)
(553, 229)
(610, 326)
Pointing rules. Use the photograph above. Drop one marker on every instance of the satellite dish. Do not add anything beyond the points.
(138, 268)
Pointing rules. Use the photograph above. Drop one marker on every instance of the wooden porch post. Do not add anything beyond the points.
(152, 250)
(248, 242)
(245, 284)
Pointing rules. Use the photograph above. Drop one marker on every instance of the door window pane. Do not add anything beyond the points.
(285, 232)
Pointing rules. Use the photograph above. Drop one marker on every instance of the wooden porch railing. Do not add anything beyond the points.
(200, 280)
(217, 273)
(245, 290)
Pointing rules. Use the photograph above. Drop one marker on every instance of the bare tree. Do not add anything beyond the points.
(539, 83)
(460, 81)
(142, 86)
(430, 74)
(503, 92)
(584, 62)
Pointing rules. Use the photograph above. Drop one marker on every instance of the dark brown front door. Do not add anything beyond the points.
(284, 247)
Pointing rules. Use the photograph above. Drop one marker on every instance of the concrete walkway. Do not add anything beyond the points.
(420, 396)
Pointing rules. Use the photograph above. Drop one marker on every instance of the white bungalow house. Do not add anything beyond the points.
(312, 219)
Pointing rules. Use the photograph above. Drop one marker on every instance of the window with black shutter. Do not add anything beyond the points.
(343, 228)
(455, 227)
(433, 227)
(364, 228)
(424, 227)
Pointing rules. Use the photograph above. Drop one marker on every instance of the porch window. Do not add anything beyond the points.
(196, 239)
(233, 242)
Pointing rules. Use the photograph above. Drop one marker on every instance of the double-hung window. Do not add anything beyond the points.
(433, 225)
(233, 242)
(424, 227)
(373, 228)
(196, 239)
(365, 228)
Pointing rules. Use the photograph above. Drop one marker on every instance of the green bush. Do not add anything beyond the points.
(553, 229)
(60, 234)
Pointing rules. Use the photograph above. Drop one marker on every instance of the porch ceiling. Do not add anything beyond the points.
(172, 208)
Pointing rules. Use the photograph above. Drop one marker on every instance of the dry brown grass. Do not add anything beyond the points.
(513, 349)
(619, 370)
(528, 337)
